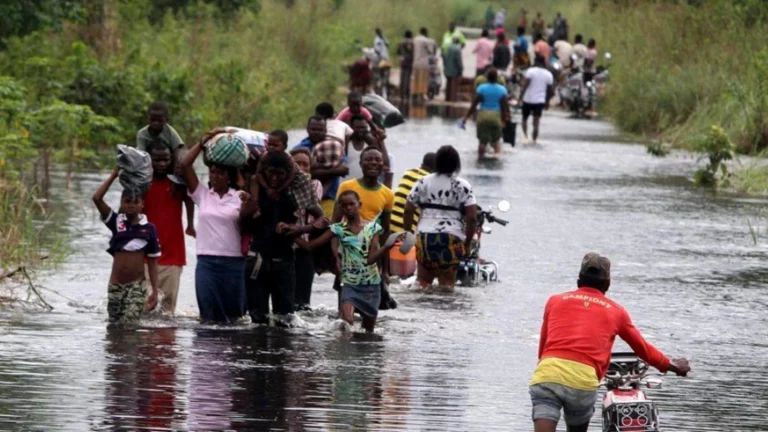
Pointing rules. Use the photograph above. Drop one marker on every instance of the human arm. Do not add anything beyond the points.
(504, 104)
(98, 196)
(187, 171)
(524, 87)
(475, 102)
(386, 218)
(335, 245)
(629, 333)
(151, 302)
(323, 173)
(470, 225)
(410, 210)
(190, 207)
(316, 242)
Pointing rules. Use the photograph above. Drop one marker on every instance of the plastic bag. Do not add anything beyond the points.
(226, 149)
(384, 113)
(255, 140)
(135, 169)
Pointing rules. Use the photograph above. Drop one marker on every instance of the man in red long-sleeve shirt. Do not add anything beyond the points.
(575, 349)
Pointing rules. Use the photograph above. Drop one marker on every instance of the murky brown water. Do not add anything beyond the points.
(684, 266)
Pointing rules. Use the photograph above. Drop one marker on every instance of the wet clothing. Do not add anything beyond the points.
(354, 249)
(548, 399)
(580, 327)
(493, 95)
(168, 136)
(374, 201)
(305, 276)
(163, 206)
(220, 288)
(218, 231)
(266, 241)
(442, 199)
(276, 279)
(439, 251)
(125, 302)
(365, 298)
(489, 126)
(168, 282)
(536, 109)
(127, 237)
(401, 195)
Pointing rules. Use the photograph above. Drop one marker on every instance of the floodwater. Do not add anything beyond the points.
(684, 264)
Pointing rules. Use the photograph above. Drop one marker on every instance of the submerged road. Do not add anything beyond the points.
(683, 264)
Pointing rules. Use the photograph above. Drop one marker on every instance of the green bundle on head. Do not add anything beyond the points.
(226, 149)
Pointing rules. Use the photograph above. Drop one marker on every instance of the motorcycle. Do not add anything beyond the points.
(625, 406)
(473, 269)
(580, 96)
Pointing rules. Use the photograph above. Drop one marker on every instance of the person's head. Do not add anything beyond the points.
(408, 34)
(452, 26)
(485, 33)
(492, 75)
(537, 37)
(277, 141)
(303, 159)
(428, 163)
(161, 158)
(592, 43)
(316, 129)
(355, 102)
(349, 202)
(277, 167)
(500, 36)
(595, 272)
(559, 15)
(578, 39)
(325, 110)
(520, 31)
(131, 203)
(222, 178)
(540, 61)
(359, 126)
(158, 116)
(538, 14)
(372, 162)
(423, 31)
(378, 31)
(447, 161)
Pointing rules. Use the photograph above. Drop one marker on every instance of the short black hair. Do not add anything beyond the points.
(131, 193)
(357, 118)
(232, 173)
(428, 163)
(537, 37)
(591, 282)
(484, 33)
(447, 160)
(578, 39)
(318, 118)
(349, 192)
(283, 135)
(408, 34)
(353, 95)
(324, 110)
(368, 150)
(591, 43)
(278, 160)
(157, 144)
(158, 106)
(492, 74)
(521, 31)
(539, 60)
(301, 150)
(423, 31)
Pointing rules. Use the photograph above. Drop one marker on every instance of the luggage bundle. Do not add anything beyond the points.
(135, 169)
(226, 149)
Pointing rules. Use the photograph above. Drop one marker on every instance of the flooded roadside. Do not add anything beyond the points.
(684, 266)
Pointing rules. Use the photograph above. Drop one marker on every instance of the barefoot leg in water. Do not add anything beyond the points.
(369, 323)
(348, 313)
(480, 149)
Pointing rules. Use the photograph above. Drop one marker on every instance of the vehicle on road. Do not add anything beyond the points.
(474, 270)
(625, 406)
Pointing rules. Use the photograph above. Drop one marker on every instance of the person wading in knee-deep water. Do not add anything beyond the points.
(133, 240)
(448, 219)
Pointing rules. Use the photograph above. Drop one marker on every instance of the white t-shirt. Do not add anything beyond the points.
(338, 130)
(440, 189)
(538, 80)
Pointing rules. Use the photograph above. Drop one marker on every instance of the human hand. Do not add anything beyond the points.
(680, 366)
(283, 228)
(321, 223)
(273, 194)
(190, 231)
(244, 196)
(463, 124)
(151, 302)
(385, 277)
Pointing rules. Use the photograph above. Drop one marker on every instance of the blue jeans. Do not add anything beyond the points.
(220, 288)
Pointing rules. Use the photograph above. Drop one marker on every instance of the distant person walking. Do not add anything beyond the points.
(538, 88)
(484, 53)
(405, 53)
(502, 56)
(451, 34)
(424, 49)
(539, 26)
(521, 59)
(489, 15)
(522, 23)
(590, 61)
(501, 18)
(493, 112)
(561, 27)
(580, 50)
(453, 68)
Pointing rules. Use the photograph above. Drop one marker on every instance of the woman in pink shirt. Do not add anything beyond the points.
(484, 51)
(220, 272)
